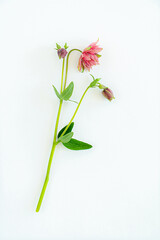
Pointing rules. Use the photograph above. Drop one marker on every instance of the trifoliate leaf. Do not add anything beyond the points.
(67, 93)
(74, 144)
(65, 138)
(68, 130)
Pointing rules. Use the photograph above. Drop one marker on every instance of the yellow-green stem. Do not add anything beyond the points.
(75, 49)
(53, 146)
(75, 111)
(56, 128)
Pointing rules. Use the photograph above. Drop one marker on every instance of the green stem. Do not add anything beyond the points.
(53, 147)
(75, 111)
(62, 74)
(75, 49)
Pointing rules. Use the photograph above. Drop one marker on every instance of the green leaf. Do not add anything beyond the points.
(68, 130)
(67, 93)
(65, 46)
(74, 144)
(58, 46)
(65, 138)
(57, 93)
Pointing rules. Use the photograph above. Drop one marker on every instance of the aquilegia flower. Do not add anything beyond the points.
(90, 57)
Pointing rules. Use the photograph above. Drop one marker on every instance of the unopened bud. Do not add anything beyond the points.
(107, 93)
(61, 53)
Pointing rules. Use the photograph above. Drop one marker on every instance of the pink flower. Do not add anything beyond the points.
(89, 57)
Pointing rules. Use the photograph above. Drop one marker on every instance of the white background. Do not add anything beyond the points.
(113, 190)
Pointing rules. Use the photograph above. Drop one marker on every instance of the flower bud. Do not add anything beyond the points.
(107, 93)
(61, 53)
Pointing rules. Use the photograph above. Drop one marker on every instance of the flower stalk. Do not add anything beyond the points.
(75, 49)
(56, 128)
(75, 111)
(53, 146)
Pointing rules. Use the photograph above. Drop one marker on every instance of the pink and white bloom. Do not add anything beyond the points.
(90, 57)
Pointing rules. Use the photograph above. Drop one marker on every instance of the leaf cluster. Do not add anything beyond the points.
(66, 94)
(94, 82)
(59, 47)
(69, 142)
